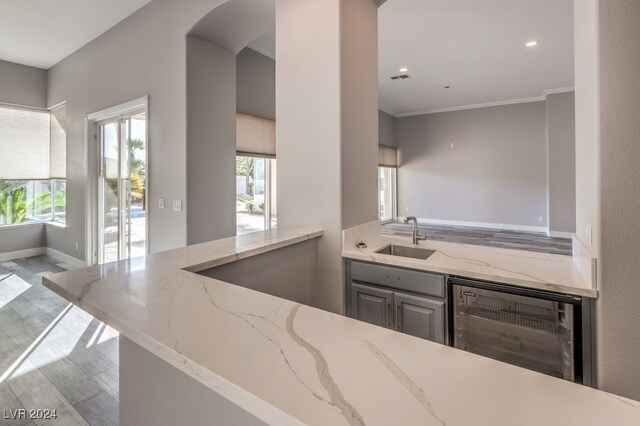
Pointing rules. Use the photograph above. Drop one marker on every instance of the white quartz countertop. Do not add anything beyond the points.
(292, 364)
(542, 271)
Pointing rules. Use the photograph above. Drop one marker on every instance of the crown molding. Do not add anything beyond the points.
(262, 50)
(386, 111)
(559, 90)
(474, 106)
(543, 97)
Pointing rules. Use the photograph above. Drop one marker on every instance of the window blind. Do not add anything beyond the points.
(24, 144)
(58, 148)
(255, 136)
(387, 156)
(33, 143)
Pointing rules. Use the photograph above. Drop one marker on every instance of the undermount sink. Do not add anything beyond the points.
(404, 251)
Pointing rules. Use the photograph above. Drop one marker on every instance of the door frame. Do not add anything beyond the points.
(92, 140)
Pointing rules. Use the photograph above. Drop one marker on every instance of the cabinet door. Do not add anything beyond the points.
(420, 317)
(372, 305)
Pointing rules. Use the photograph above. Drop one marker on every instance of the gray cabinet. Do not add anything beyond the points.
(420, 317)
(408, 301)
(372, 305)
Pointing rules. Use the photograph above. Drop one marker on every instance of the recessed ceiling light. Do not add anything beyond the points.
(404, 69)
(532, 43)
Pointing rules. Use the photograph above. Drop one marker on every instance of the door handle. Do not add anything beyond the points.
(398, 316)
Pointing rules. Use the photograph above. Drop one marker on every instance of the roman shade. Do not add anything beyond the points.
(387, 156)
(24, 144)
(58, 148)
(32, 143)
(255, 136)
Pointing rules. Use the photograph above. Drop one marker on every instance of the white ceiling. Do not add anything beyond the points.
(475, 46)
(40, 33)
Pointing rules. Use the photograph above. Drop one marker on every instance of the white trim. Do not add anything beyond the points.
(543, 97)
(58, 105)
(91, 197)
(558, 90)
(62, 257)
(56, 224)
(39, 251)
(559, 234)
(502, 226)
(476, 106)
(122, 109)
(387, 111)
(21, 225)
(22, 254)
(25, 107)
(93, 167)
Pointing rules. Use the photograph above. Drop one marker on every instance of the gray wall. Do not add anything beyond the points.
(386, 129)
(561, 139)
(256, 84)
(618, 318)
(587, 132)
(154, 392)
(359, 110)
(145, 54)
(211, 141)
(25, 86)
(496, 172)
(288, 273)
(310, 113)
(22, 237)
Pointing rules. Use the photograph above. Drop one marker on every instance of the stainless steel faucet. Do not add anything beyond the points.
(415, 234)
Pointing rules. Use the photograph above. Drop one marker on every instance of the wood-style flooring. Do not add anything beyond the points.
(516, 240)
(53, 355)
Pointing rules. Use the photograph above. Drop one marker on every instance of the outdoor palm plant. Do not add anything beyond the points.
(14, 204)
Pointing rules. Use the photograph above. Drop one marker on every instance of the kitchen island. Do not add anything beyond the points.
(238, 356)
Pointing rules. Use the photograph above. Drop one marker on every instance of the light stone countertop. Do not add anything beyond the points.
(541, 271)
(292, 364)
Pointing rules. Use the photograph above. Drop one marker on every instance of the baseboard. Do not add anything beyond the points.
(500, 226)
(22, 254)
(65, 258)
(559, 234)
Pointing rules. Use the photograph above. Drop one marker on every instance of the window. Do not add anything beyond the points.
(387, 193)
(255, 174)
(59, 200)
(255, 188)
(387, 183)
(32, 165)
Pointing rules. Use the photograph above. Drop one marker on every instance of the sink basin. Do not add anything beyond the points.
(404, 251)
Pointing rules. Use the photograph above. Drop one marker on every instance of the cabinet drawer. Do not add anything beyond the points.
(403, 279)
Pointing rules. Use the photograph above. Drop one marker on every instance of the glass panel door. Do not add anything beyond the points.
(122, 188)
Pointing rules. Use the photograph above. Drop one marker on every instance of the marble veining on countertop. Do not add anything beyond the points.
(288, 363)
(542, 271)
